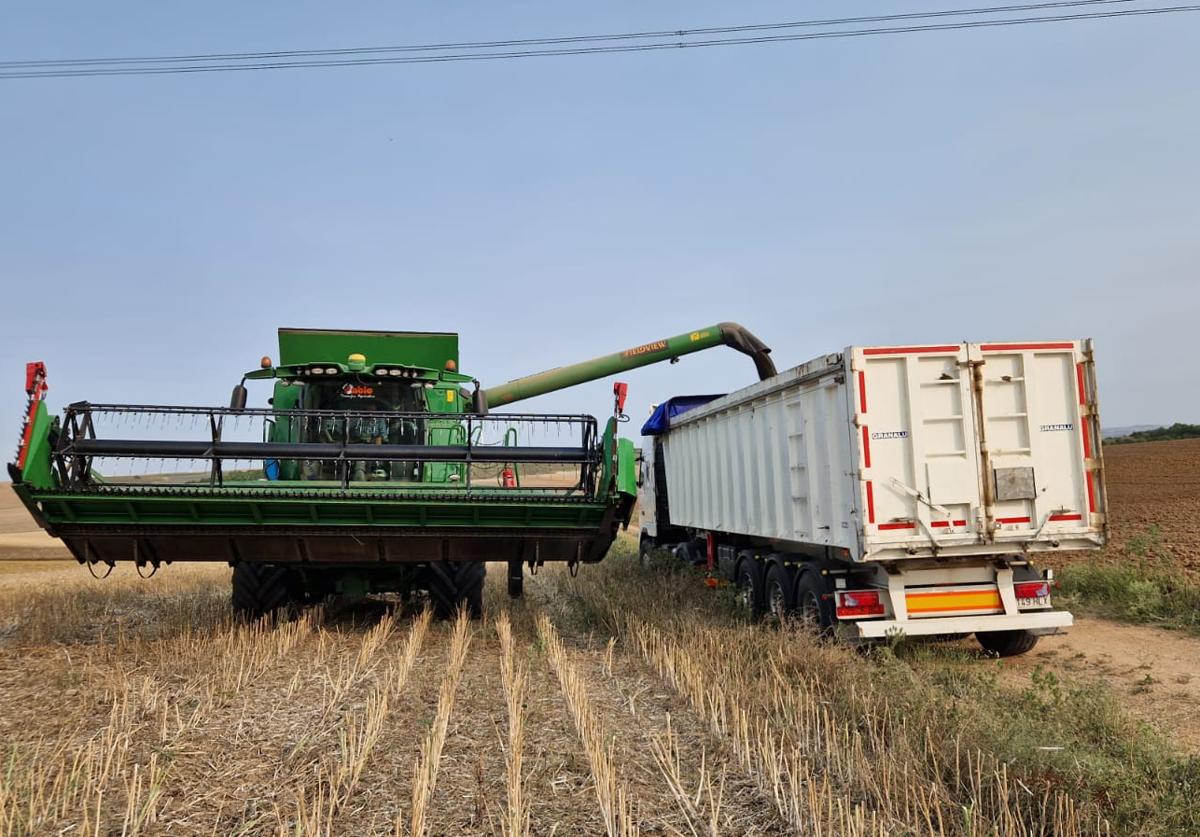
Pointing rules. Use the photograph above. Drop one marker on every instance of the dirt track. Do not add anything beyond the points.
(1153, 671)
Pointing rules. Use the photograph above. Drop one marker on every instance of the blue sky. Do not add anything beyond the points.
(1022, 183)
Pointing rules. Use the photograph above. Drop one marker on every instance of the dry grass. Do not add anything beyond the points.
(359, 731)
(611, 793)
(515, 819)
(425, 773)
(620, 701)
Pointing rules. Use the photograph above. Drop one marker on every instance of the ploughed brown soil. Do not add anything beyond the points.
(1152, 485)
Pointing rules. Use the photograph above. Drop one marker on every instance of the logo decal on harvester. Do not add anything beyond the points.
(358, 391)
(656, 346)
(890, 434)
(1050, 428)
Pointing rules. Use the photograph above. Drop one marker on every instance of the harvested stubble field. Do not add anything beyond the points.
(623, 701)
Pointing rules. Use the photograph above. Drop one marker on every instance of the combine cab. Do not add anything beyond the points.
(374, 469)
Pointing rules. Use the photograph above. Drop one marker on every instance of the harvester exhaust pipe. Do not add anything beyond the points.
(722, 334)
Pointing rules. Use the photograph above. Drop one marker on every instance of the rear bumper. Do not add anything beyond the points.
(1042, 622)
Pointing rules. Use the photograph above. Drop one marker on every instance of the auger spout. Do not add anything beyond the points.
(721, 334)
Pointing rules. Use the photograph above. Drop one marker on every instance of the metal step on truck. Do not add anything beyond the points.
(889, 490)
(374, 466)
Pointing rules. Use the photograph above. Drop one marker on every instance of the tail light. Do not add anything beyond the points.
(1036, 593)
(856, 603)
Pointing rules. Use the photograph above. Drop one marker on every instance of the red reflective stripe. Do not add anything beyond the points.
(1016, 347)
(866, 447)
(909, 350)
(1079, 381)
(1060, 517)
(862, 392)
(1012, 519)
(1087, 440)
(870, 503)
(941, 524)
(901, 525)
(1091, 494)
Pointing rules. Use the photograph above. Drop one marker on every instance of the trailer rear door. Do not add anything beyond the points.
(971, 447)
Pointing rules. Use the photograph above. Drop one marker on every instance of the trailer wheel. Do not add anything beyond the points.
(260, 589)
(455, 584)
(815, 611)
(1007, 643)
(780, 598)
(751, 597)
(645, 547)
(516, 580)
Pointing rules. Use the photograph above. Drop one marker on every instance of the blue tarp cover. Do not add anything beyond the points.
(660, 420)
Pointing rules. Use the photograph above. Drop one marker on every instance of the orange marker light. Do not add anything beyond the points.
(451, 366)
(265, 363)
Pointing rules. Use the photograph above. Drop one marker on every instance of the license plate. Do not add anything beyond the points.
(1038, 601)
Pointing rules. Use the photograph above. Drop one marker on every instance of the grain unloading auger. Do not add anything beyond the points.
(374, 469)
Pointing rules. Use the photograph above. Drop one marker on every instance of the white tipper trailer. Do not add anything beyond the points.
(889, 489)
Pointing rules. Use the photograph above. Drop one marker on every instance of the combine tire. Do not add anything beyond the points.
(260, 589)
(1006, 643)
(780, 598)
(815, 611)
(516, 580)
(455, 584)
(751, 596)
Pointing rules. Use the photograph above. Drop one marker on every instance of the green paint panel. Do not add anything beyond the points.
(602, 367)
(430, 350)
(37, 461)
(627, 468)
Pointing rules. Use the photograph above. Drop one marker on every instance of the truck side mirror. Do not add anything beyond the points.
(237, 401)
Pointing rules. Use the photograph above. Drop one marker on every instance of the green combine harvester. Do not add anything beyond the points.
(377, 467)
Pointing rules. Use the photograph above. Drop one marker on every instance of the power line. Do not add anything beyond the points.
(492, 56)
(558, 40)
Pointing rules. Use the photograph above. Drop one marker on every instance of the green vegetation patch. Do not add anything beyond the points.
(1178, 430)
(1144, 587)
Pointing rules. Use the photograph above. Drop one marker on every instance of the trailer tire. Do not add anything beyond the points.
(751, 595)
(516, 580)
(645, 547)
(814, 609)
(454, 584)
(261, 589)
(780, 593)
(1007, 643)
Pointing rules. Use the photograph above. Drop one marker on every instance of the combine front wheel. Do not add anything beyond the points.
(260, 589)
(455, 584)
